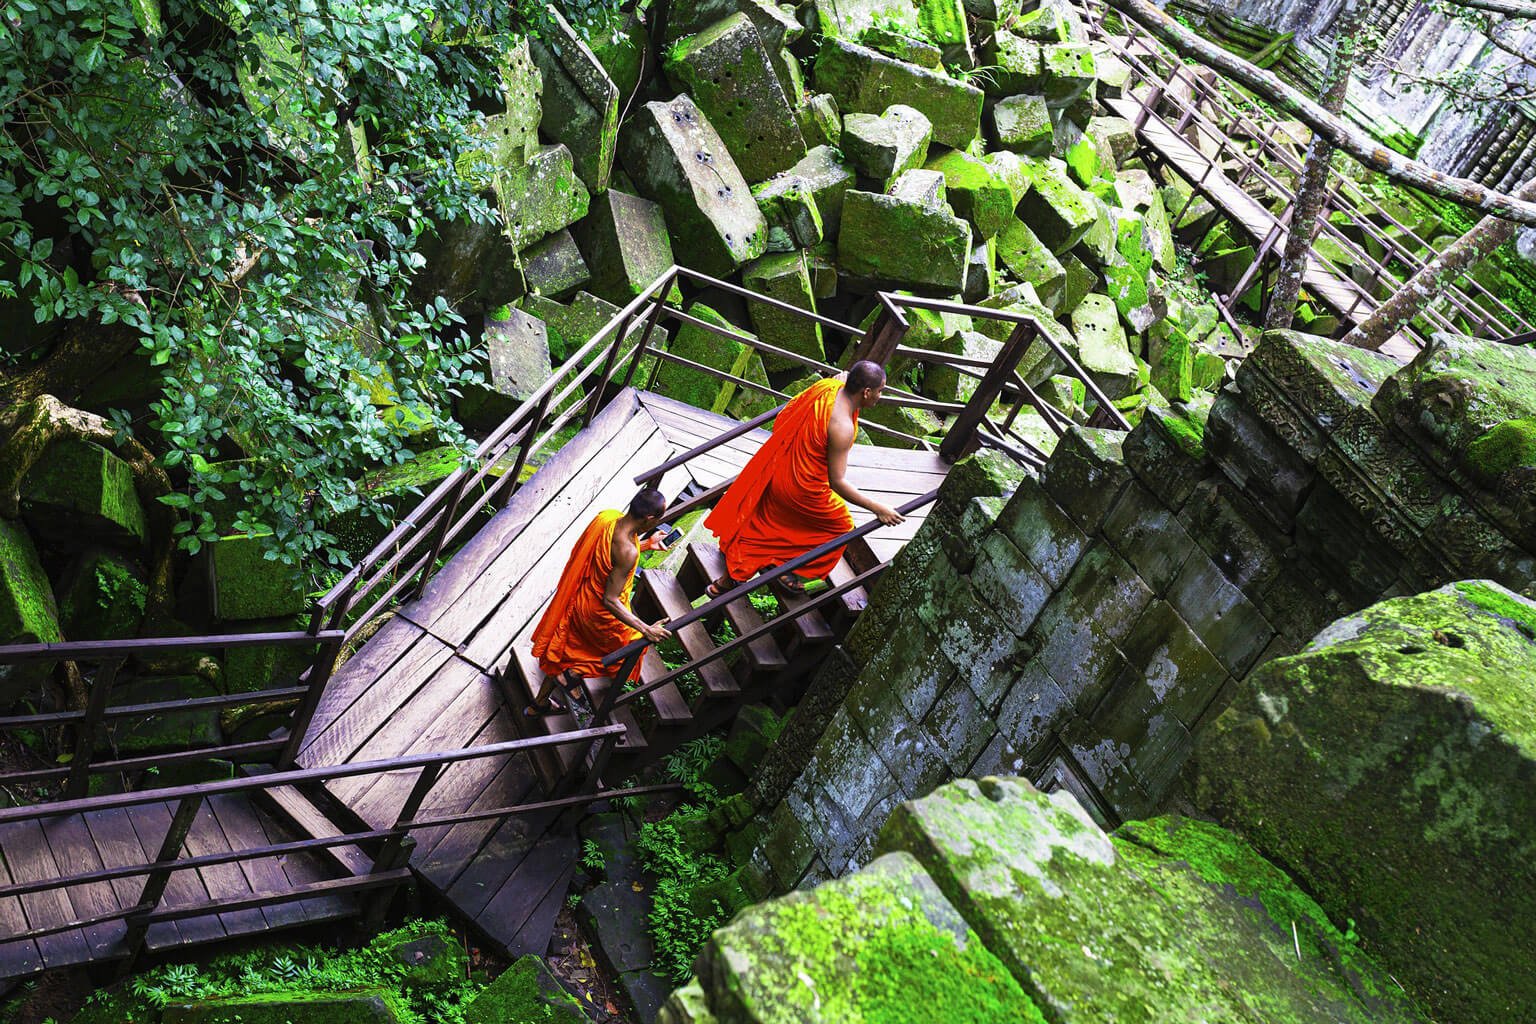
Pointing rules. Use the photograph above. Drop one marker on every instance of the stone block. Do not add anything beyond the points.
(1169, 671)
(1219, 614)
(1231, 531)
(579, 101)
(1066, 73)
(1016, 62)
(1118, 133)
(569, 325)
(1343, 549)
(884, 146)
(949, 385)
(1055, 208)
(1268, 470)
(1042, 531)
(1033, 709)
(1031, 261)
(624, 239)
(368, 1007)
(981, 271)
(960, 727)
(786, 846)
(28, 612)
(864, 80)
(100, 597)
(677, 159)
(903, 244)
(961, 543)
(1085, 474)
(1102, 348)
(977, 191)
(541, 196)
(1022, 123)
(77, 493)
(1166, 450)
(726, 71)
(909, 653)
(973, 638)
(786, 277)
(820, 122)
(518, 346)
(1078, 633)
(906, 48)
(920, 188)
(553, 266)
(1385, 727)
(702, 346)
(1009, 583)
(896, 737)
(1147, 534)
(526, 989)
(248, 585)
(1081, 280)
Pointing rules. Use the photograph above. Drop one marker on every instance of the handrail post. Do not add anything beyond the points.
(319, 674)
(440, 535)
(659, 304)
(595, 399)
(961, 438)
(395, 852)
(525, 448)
(160, 873)
(880, 341)
(85, 739)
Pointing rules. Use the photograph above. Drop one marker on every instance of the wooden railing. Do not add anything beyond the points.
(1166, 86)
(387, 849)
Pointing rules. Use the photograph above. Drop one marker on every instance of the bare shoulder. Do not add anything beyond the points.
(624, 552)
(840, 429)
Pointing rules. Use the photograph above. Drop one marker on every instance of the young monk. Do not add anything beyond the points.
(792, 495)
(589, 616)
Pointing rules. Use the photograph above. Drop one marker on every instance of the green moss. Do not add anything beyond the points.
(1498, 601)
(1510, 445)
(27, 609)
(524, 993)
(916, 965)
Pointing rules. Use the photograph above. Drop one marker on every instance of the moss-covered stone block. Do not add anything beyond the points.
(675, 156)
(1102, 348)
(1055, 208)
(1099, 928)
(786, 277)
(860, 949)
(902, 46)
(976, 191)
(1066, 72)
(101, 597)
(28, 612)
(625, 243)
(1022, 123)
(1411, 723)
(865, 80)
(1017, 64)
(368, 1007)
(248, 585)
(541, 196)
(886, 145)
(901, 243)
(79, 492)
(726, 71)
(702, 346)
(578, 100)
(804, 205)
(526, 991)
(554, 265)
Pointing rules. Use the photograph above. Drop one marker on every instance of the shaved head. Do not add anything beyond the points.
(864, 375)
(648, 504)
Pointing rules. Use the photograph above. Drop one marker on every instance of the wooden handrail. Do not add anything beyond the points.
(101, 650)
(739, 591)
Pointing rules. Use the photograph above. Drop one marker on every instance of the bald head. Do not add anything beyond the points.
(648, 504)
(865, 375)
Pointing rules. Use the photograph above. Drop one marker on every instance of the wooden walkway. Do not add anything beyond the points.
(431, 679)
(39, 851)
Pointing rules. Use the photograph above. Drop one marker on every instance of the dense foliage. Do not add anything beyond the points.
(242, 183)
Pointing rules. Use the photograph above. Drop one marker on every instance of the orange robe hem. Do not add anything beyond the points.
(781, 505)
(577, 630)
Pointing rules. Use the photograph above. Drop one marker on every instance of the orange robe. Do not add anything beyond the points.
(578, 630)
(781, 505)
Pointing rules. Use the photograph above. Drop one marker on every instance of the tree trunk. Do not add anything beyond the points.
(1313, 188)
(1342, 134)
(1508, 8)
(1428, 284)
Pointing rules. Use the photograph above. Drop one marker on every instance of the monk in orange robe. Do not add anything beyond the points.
(793, 495)
(589, 616)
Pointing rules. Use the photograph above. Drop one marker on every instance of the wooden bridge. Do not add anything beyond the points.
(407, 761)
(1188, 123)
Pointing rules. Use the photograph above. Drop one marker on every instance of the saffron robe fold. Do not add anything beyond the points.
(578, 631)
(782, 505)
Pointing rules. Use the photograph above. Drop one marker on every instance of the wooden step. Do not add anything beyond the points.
(842, 612)
(663, 591)
(801, 638)
(671, 707)
(295, 807)
(519, 681)
(704, 564)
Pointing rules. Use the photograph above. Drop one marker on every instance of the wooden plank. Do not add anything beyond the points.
(307, 869)
(442, 854)
(21, 957)
(603, 483)
(31, 860)
(671, 708)
(309, 820)
(529, 590)
(357, 674)
(533, 937)
(663, 589)
(185, 888)
(763, 653)
(352, 728)
(496, 861)
(243, 831)
(222, 881)
(513, 909)
(70, 840)
(118, 845)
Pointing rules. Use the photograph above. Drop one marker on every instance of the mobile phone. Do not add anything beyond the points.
(672, 536)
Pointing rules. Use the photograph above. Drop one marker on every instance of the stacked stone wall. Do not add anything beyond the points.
(1079, 627)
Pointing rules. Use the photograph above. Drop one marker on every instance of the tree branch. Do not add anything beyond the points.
(1340, 133)
(1508, 8)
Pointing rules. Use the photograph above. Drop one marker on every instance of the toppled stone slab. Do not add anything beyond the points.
(703, 346)
(540, 197)
(1055, 208)
(1067, 73)
(922, 187)
(248, 585)
(786, 277)
(518, 349)
(865, 80)
(1101, 346)
(1015, 62)
(950, 385)
(525, 991)
(726, 71)
(1023, 124)
(858, 950)
(677, 159)
(27, 609)
(820, 122)
(1410, 723)
(1031, 261)
(977, 191)
(903, 47)
(554, 266)
(78, 492)
(101, 597)
(624, 239)
(804, 205)
(884, 146)
(286, 1007)
(903, 243)
(579, 101)
(1100, 927)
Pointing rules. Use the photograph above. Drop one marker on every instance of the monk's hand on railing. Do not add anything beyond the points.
(656, 632)
(887, 515)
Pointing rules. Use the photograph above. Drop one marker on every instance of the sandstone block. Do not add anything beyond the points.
(624, 239)
(553, 266)
(1031, 260)
(1023, 124)
(804, 205)
(902, 243)
(786, 277)
(886, 145)
(579, 101)
(1055, 208)
(977, 192)
(863, 80)
(78, 492)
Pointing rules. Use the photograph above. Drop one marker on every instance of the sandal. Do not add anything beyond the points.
(551, 706)
(789, 585)
(720, 586)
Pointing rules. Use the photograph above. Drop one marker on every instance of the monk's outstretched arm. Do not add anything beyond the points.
(613, 598)
(839, 442)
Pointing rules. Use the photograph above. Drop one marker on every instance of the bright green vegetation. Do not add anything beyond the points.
(1509, 445)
